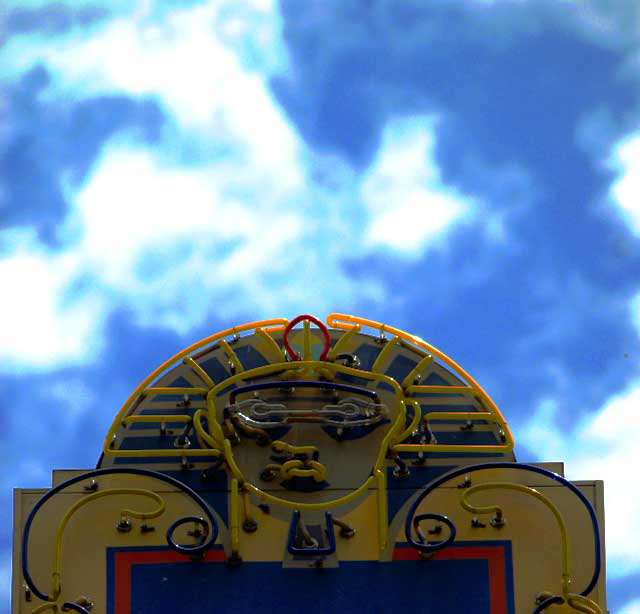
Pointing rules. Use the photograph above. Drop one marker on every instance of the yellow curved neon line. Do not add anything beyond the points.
(232, 356)
(283, 446)
(441, 390)
(346, 322)
(57, 550)
(342, 341)
(461, 415)
(215, 446)
(575, 601)
(507, 446)
(44, 607)
(382, 356)
(271, 342)
(231, 462)
(160, 453)
(290, 464)
(421, 366)
(417, 414)
(199, 371)
(214, 426)
(306, 340)
(156, 418)
(295, 467)
(450, 448)
(383, 520)
(177, 390)
(488, 509)
(583, 604)
(269, 325)
(295, 505)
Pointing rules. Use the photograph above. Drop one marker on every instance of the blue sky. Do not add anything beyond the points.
(468, 171)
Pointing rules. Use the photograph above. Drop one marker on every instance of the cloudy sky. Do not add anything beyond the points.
(466, 170)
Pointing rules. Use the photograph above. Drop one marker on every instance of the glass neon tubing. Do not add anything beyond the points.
(111, 470)
(505, 465)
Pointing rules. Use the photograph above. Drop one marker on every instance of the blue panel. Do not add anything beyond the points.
(442, 586)
(400, 367)
(427, 409)
(466, 438)
(215, 370)
(434, 379)
(367, 354)
(249, 357)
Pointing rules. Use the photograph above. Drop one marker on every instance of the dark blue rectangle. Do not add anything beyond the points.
(442, 586)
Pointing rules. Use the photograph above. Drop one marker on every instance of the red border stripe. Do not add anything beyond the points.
(124, 561)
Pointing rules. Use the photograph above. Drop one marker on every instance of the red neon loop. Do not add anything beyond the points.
(325, 333)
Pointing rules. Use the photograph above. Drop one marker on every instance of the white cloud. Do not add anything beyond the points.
(43, 322)
(603, 447)
(631, 608)
(625, 190)
(5, 580)
(407, 202)
(260, 228)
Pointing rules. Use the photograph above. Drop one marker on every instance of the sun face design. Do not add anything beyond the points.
(295, 411)
(313, 423)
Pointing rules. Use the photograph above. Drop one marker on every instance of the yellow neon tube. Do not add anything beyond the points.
(206, 437)
(575, 601)
(421, 366)
(214, 426)
(187, 391)
(57, 550)
(342, 342)
(232, 356)
(158, 453)
(295, 505)
(583, 604)
(228, 456)
(382, 356)
(436, 447)
(283, 446)
(381, 496)
(44, 607)
(443, 447)
(156, 418)
(488, 509)
(441, 390)
(417, 414)
(346, 322)
(296, 467)
(271, 344)
(462, 415)
(199, 371)
(306, 340)
(269, 325)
